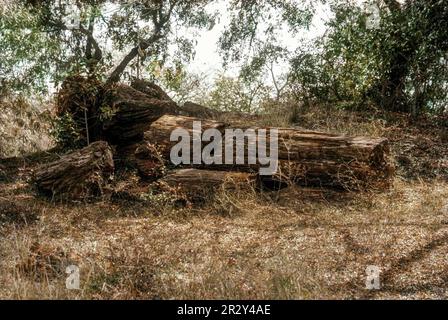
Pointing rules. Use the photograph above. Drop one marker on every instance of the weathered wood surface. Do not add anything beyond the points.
(149, 161)
(353, 175)
(139, 105)
(192, 109)
(151, 89)
(134, 111)
(202, 183)
(305, 157)
(159, 131)
(77, 175)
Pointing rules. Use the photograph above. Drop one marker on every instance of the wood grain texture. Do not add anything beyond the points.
(77, 175)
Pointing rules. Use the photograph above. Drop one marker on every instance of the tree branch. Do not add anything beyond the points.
(393, 5)
(159, 20)
(91, 41)
(98, 55)
(116, 73)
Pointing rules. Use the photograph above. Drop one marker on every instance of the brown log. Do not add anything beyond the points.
(305, 157)
(199, 184)
(305, 145)
(134, 111)
(159, 131)
(151, 89)
(149, 161)
(80, 174)
(192, 109)
(353, 175)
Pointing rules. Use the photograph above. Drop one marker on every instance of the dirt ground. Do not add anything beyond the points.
(239, 246)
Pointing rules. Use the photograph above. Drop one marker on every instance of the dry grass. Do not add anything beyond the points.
(23, 127)
(253, 248)
(236, 246)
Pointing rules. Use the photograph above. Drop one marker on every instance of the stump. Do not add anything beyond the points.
(77, 175)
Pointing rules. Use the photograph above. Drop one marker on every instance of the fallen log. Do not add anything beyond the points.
(159, 131)
(149, 162)
(77, 175)
(133, 112)
(135, 107)
(118, 114)
(348, 175)
(307, 158)
(200, 184)
(192, 109)
(151, 89)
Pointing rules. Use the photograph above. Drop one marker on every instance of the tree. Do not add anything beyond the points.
(400, 65)
(41, 38)
(252, 37)
(233, 94)
(420, 44)
(256, 25)
(180, 84)
(53, 39)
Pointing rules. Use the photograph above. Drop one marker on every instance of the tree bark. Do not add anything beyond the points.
(159, 131)
(77, 175)
(305, 157)
(198, 184)
(134, 113)
(192, 109)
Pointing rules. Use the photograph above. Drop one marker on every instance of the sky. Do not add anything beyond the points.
(208, 61)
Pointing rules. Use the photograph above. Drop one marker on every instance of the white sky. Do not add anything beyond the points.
(207, 59)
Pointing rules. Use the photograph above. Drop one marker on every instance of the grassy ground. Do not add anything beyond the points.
(246, 246)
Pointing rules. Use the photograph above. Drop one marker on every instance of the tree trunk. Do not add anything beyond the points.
(305, 157)
(159, 131)
(347, 175)
(192, 109)
(77, 175)
(150, 88)
(200, 184)
(143, 45)
(394, 98)
(134, 111)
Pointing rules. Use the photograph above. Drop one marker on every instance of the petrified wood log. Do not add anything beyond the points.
(133, 113)
(77, 175)
(151, 89)
(305, 157)
(348, 175)
(149, 162)
(199, 184)
(159, 131)
(192, 109)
